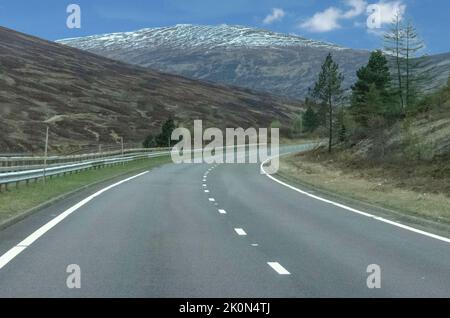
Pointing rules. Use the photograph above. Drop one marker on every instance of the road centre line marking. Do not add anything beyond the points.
(278, 268)
(240, 232)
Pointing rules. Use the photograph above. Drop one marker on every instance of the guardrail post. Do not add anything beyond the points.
(46, 152)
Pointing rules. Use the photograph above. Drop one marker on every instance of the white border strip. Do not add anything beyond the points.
(405, 227)
(19, 248)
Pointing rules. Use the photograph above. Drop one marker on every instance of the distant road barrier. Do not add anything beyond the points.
(29, 173)
(14, 170)
(20, 163)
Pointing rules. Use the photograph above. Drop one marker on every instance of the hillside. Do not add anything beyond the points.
(282, 64)
(88, 99)
(401, 173)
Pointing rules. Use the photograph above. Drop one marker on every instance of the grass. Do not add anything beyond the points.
(18, 200)
(370, 186)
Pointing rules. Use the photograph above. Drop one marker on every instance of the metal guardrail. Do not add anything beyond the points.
(12, 164)
(35, 174)
(28, 173)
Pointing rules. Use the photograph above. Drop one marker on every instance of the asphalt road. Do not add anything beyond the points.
(163, 234)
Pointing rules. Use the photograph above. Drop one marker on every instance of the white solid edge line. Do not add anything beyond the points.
(222, 211)
(240, 232)
(16, 250)
(278, 268)
(405, 227)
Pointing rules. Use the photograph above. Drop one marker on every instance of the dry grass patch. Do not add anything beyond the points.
(368, 185)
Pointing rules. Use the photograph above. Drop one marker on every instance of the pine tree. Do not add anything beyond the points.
(343, 133)
(375, 103)
(310, 120)
(376, 73)
(164, 138)
(328, 90)
(149, 142)
(340, 125)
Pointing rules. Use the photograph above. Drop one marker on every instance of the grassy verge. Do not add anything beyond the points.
(17, 201)
(372, 189)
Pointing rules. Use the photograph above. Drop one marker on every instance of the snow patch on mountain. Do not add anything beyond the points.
(187, 36)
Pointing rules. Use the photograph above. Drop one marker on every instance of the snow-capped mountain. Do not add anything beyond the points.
(187, 36)
(235, 55)
(280, 64)
(86, 98)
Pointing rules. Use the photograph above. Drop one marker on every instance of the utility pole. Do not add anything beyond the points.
(45, 154)
(121, 141)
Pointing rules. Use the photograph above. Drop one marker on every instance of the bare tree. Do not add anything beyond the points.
(394, 42)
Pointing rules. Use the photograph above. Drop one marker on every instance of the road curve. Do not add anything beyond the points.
(217, 231)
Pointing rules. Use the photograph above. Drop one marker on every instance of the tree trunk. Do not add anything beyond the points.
(400, 86)
(407, 71)
(330, 142)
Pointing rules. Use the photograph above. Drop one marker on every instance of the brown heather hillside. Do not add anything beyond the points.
(86, 97)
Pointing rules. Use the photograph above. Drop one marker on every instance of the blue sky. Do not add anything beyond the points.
(339, 21)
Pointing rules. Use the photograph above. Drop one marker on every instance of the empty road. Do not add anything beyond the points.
(214, 231)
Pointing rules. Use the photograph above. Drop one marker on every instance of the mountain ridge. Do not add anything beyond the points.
(89, 99)
(282, 64)
(222, 35)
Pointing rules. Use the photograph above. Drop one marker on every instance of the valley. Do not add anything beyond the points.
(282, 64)
(87, 99)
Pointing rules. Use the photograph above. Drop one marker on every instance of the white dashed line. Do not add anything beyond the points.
(222, 211)
(206, 191)
(240, 232)
(255, 245)
(212, 200)
(278, 268)
(204, 185)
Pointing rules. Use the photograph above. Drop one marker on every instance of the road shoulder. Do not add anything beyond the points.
(304, 175)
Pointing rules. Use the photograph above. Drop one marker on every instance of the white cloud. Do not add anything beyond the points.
(323, 21)
(329, 19)
(276, 15)
(389, 9)
(358, 7)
